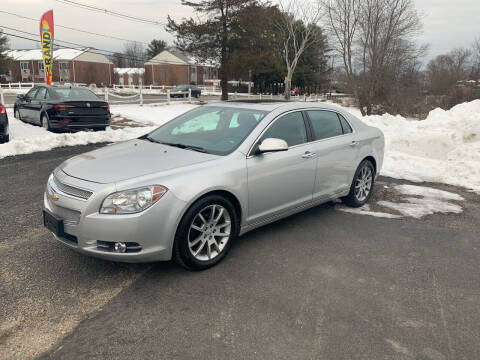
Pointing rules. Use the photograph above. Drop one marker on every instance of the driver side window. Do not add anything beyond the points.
(290, 127)
(31, 94)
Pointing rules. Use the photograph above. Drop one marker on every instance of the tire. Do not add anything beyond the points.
(16, 114)
(45, 123)
(361, 190)
(197, 95)
(196, 236)
(5, 139)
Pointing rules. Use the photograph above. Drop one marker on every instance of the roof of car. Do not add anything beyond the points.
(61, 86)
(270, 105)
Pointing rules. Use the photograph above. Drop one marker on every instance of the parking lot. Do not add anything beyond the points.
(321, 284)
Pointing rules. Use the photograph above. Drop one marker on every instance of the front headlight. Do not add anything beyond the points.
(132, 201)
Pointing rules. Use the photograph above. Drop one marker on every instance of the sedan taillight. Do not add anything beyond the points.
(106, 107)
(62, 107)
(3, 110)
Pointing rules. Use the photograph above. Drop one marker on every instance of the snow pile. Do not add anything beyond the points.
(28, 138)
(47, 141)
(443, 148)
(430, 201)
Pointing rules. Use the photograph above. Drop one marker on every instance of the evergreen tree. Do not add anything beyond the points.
(155, 47)
(211, 35)
(4, 60)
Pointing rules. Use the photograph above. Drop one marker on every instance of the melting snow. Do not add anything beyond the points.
(432, 201)
(365, 210)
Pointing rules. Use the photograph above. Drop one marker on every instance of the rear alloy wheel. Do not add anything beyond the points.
(206, 233)
(45, 123)
(362, 185)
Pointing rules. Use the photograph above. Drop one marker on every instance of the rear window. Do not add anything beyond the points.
(76, 94)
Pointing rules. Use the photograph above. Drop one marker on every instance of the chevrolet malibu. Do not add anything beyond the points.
(188, 189)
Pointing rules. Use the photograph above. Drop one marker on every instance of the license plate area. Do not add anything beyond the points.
(53, 223)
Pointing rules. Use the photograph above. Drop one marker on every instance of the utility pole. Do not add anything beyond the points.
(249, 81)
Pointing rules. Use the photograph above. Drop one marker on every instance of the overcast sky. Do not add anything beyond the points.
(447, 23)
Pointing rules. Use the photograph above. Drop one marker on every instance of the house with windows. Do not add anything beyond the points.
(173, 67)
(86, 66)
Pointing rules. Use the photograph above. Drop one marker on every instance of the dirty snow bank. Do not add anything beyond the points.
(444, 148)
(429, 201)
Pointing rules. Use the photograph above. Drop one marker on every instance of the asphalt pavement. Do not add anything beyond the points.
(322, 284)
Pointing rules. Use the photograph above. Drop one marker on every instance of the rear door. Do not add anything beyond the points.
(336, 147)
(280, 181)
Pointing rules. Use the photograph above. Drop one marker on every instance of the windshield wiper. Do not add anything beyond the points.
(148, 138)
(187, 147)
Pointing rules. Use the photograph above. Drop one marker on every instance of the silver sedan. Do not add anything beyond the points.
(188, 189)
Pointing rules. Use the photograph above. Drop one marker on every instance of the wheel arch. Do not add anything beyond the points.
(224, 193)
(372, 160)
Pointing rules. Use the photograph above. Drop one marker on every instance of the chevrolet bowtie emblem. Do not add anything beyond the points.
(54, 197)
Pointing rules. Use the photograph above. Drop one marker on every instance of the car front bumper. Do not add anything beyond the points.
(86, 230)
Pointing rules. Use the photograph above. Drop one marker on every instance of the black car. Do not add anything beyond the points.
(63, 108)
(181, 91)
(4, 136)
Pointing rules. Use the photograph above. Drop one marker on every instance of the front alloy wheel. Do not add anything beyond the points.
(206, 233)
(209, 232)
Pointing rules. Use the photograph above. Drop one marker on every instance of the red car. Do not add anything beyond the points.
(4, 136)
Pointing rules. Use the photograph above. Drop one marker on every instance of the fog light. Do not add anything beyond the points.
(120, 247)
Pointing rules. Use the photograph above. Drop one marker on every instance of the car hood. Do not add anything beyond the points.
(130, 159)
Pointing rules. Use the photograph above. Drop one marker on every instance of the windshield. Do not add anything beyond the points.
(181, 87)
(76, 94)
(216, 130)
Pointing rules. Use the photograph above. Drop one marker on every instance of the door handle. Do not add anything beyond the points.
(308, 155)
(354, 143)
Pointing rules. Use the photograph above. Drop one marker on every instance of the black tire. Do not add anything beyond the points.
(16, 114)
(181, 252)
(5, 139)
(45, 123)
(197, 95)
(351, 199)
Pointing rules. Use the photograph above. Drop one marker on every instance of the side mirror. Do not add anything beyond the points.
(272, 145)
(21, 96)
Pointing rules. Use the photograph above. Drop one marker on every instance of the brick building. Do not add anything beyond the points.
(69, 66)
(172, 67)
(128, 76)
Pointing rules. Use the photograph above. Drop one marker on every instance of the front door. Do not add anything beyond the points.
(280, 181)
(25, 105)
(337, 150)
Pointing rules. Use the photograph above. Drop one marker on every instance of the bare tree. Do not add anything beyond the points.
(445, 71)
(376, 40)
(476, 58)
(134, 54)
(476, 51)
(342, 22)
(298, 24)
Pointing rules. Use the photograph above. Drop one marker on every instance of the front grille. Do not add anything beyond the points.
(73, 191)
